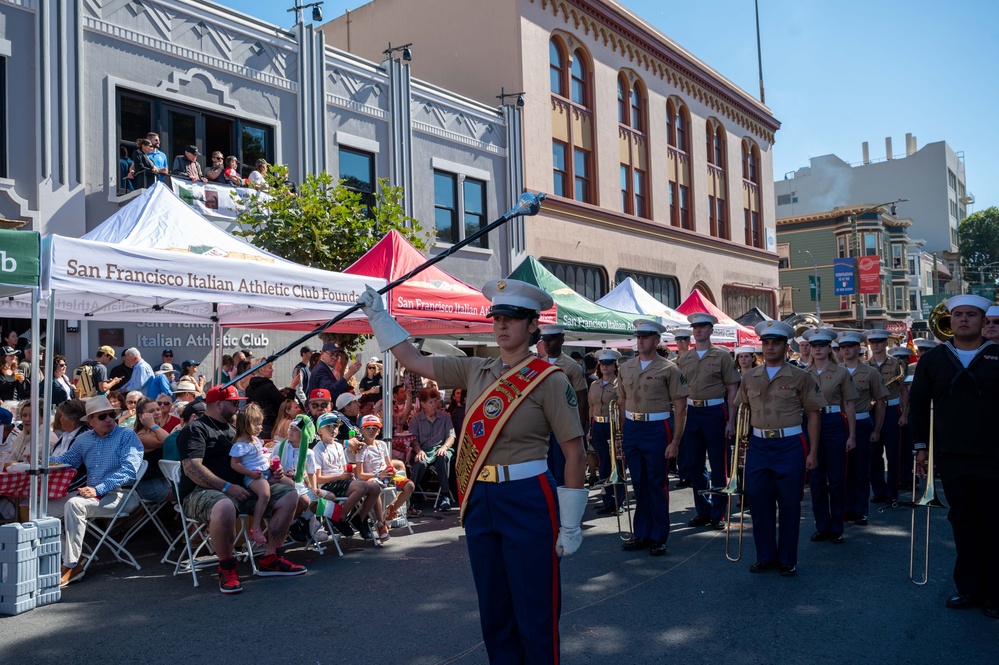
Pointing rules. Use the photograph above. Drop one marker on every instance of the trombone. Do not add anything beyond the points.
(619, 472)
(735, 487)
(929, 500)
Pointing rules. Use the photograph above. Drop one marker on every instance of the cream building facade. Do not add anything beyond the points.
(657, 167)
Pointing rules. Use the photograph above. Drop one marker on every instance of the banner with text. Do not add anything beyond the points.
(870, 274)
(213, 200)
(19, 257)
(843, 277)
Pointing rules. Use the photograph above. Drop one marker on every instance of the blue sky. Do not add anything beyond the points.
(837, 73)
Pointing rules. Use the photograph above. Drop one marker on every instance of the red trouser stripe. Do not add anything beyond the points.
(555, 578)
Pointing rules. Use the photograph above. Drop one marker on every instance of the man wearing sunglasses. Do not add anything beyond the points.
(990, 324)
(333, 370)
(112, 455)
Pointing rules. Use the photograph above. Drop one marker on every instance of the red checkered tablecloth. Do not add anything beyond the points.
(16, 484)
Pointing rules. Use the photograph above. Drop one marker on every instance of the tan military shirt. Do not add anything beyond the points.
(600, 396)
(550, 407)
(890, 369)
(835, 382)
(869, 385)
(653, 389)
(573, 372)
(778, 403)
(708, 376)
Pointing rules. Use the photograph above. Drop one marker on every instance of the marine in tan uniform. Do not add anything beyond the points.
(652, 399)
(889, 453)
(678, 464)
(552, 339)
(870, 409)
(713, 381)
(510, 515)
(837, 437)
(602, 393)
(777, 394)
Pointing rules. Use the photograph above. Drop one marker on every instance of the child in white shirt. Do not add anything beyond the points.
(375, 464)
(249, 457)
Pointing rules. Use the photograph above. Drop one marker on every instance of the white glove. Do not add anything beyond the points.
(571, 504)
(387, 331)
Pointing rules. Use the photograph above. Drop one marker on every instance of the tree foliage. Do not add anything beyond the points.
(320, 223)
(979, 233)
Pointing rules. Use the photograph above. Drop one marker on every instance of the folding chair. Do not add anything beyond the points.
(151, 510)
(389, 495)
(103, 535)
(188, 560)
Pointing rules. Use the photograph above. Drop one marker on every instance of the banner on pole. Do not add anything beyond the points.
(20, 257)
(843, 277)
(870, 274)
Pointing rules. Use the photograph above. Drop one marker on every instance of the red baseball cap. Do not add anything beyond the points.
(320, 393)
(223, 394)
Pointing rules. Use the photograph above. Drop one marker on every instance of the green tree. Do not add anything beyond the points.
(322, 224)
(979, 234)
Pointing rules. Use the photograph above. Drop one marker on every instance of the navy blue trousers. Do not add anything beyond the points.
(510, 530)
(858, 470)
(889, 448)
(775, 481)
(556, 460)
(600, 438)
(704, 436)
(645, 449)
(828, 480)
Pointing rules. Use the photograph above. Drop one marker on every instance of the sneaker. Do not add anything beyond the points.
(277, 566)
(362, 527)
(445, 505)
(228, 577)
(343, 527)
(393, 513)
(383, 533)
(299, 531)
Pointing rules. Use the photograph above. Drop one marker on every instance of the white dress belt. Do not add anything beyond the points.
(777, 433)
(705, 402)
(894, 402)
(644, 417)
(830, 409)
(863, 415)
(504, 473)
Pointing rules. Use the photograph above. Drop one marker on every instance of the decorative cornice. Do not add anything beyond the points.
(366, 109)
(590, 214)
(459, 138)
(648, 51)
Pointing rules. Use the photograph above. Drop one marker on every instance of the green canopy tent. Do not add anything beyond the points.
(582, 318)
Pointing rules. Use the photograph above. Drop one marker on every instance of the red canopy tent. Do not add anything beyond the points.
(433, 303)
(696, 302)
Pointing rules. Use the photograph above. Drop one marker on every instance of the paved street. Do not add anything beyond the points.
(412, 602)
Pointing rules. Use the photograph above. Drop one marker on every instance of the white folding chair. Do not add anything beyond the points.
(103, 534)
(194, 558)
(151, 510)
(389, 495)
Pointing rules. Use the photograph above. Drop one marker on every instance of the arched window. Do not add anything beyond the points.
(572, 122)
(718, 216)
(633, 146)
(680, 181)
(556, 67)
(752, 209)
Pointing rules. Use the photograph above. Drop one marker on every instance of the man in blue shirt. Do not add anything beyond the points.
(159, 157)
(160, 384)
(112, 455)
(141, 370)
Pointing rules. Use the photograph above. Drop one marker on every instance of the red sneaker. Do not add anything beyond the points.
(228, 577)
(276, 566)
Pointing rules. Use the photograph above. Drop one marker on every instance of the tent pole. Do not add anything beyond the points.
(35, 389)
(45, 448)
(528, 204)
(388, 399)
(215, 347)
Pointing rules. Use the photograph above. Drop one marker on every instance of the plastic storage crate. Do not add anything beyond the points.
(49, 559)
(18, 568)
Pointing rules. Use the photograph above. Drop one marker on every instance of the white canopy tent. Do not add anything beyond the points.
(157, 260)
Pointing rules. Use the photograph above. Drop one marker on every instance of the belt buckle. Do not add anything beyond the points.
(488, 474)
(697, 402)
(771, 433)
(639, 417)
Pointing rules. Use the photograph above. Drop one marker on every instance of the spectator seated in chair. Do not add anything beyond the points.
(336, 479)
(287, 452)
(374, 465)
(434, 443)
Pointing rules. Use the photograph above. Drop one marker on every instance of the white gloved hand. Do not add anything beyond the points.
(387, 331)
(571, 504)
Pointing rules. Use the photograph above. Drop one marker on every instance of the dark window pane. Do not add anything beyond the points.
(588, 281)
(446, 207)
(135, 118)
(663, 288)
(578, 79)
(474, 193)
(636, 109)
(254, 144)
(357, 169)
(622, 101)
(556, 68)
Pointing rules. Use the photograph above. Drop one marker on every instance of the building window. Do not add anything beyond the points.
(737, 300)
(572, 125)
(633, 146)
(753, 232)
(912, 265)
(899, 301)
(454, 193)
(560, 173)
(623, 102)
(357, 173)
(685, 217)
(870, 244)
(446, 207)
(951, 180)
(842, 248)
(751, 195)
(588, 281)
(784, 255)
(717, 178)
(3, 118)
(664, 288)
(637, 114)
(179, 126)
(678, 167)
(896, 257)
(786, 301)
(912, 302)
(641, 209)
(473, 206)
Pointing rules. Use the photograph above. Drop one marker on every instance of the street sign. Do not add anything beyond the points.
(927, 304)
(815, 288)
(843, 277)
(20, 253)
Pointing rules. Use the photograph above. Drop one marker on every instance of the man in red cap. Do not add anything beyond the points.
(212, 492)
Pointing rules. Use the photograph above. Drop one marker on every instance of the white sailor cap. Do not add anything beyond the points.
(801, 339)
(834, 344)
(608, 355)
(645, 327)
(683, 333)
(901, 351)
(851, 337)
(877, 334)
(701, 318)
(745, 349)
(926, 343)
(968, 300)
(823, 336)
(992, 311)
(765, 329)
(511, 297)
(552, 330)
